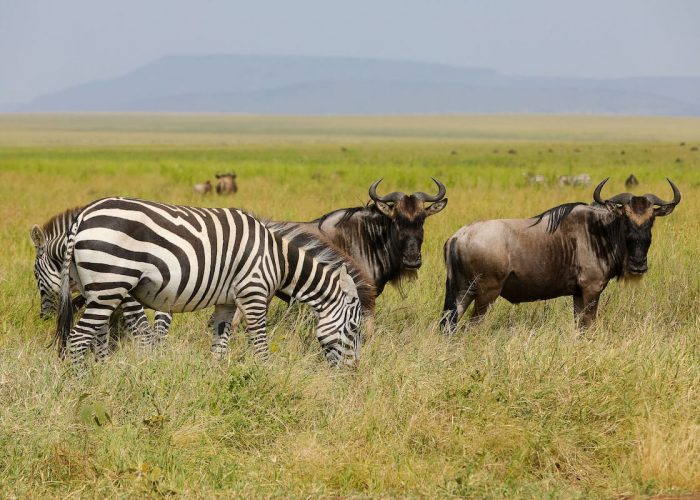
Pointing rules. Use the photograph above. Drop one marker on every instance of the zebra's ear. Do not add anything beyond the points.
(347, 284)
(37, 235)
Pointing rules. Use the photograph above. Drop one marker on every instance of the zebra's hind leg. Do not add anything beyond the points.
(221, 328)
(94, 321)
(161, 325)
(137, 322)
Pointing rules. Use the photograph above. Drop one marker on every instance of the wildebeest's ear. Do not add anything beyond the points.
(664, 210)
(385, 208)
(614, 207)
(435, 207)
(347, 284)
(37, 235)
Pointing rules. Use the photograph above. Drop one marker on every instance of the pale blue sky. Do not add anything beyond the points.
(46, 45)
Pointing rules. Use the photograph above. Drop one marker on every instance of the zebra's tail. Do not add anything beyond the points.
(65, 305)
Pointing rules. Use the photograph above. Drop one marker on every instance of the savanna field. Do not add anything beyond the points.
(521, 405)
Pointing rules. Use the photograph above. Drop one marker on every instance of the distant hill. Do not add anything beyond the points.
(330, 85)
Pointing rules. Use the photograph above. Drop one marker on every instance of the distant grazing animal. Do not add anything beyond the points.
(383, 238)
(50, 244)
(203, 188)
(575, 180)
(631, 181)
(573, 249)
(181, 259)
(226, 183)
(535, 179)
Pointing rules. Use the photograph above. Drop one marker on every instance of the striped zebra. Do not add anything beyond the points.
(182, 259)
(50, 244)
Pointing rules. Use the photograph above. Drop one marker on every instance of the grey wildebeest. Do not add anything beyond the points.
(631, 181)
(203, 188)
(383, 238)
(573, 249)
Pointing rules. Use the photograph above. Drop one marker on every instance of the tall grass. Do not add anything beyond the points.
(522, 405)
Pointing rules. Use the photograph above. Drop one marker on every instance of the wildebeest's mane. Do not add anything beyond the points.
(51, 225)
(348, 213)
(324, 251)
(556, 215)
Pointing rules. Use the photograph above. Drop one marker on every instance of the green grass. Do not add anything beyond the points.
(519, 406)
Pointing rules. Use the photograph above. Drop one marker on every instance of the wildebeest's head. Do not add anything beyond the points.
(638, 213)
(407, 213)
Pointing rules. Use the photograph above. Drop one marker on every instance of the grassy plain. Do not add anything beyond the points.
(519, 406)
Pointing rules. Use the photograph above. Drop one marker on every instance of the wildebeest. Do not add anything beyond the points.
(203, 188)
(226, 183)
(572, 249)
(384, 237)
(631, 181)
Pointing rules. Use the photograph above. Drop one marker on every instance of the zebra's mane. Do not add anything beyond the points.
(556, 215)
(326, 253)
(60, 222)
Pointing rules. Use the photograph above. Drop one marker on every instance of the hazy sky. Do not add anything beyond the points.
(46, 45)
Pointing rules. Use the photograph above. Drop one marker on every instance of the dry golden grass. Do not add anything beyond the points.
(520, 406)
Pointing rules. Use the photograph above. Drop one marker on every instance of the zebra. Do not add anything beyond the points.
(182, 259)
(49, 243)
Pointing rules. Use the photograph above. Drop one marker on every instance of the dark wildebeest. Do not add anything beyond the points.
(573, 249)
(631, 181)
(226, 183)
(384, 238)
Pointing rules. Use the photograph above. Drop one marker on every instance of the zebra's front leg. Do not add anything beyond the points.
(221, 328)
(255, 313)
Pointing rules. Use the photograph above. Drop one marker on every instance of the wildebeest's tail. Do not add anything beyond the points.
(65, 305)
(449, 311)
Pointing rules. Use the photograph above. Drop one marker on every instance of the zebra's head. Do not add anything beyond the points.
(47, 273)
(339, 325)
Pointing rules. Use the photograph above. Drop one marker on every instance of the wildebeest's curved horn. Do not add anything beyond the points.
(598, 189)
(658, 201)
(426, 197)
(395, 196)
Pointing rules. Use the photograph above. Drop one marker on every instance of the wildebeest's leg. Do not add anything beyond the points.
(161, 325)
(488, 291)
(221, 328)
(456, 303)
(586, 307)
(459, 289)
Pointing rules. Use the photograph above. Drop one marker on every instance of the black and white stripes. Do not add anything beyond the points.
(182, 259)
(50, 244)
